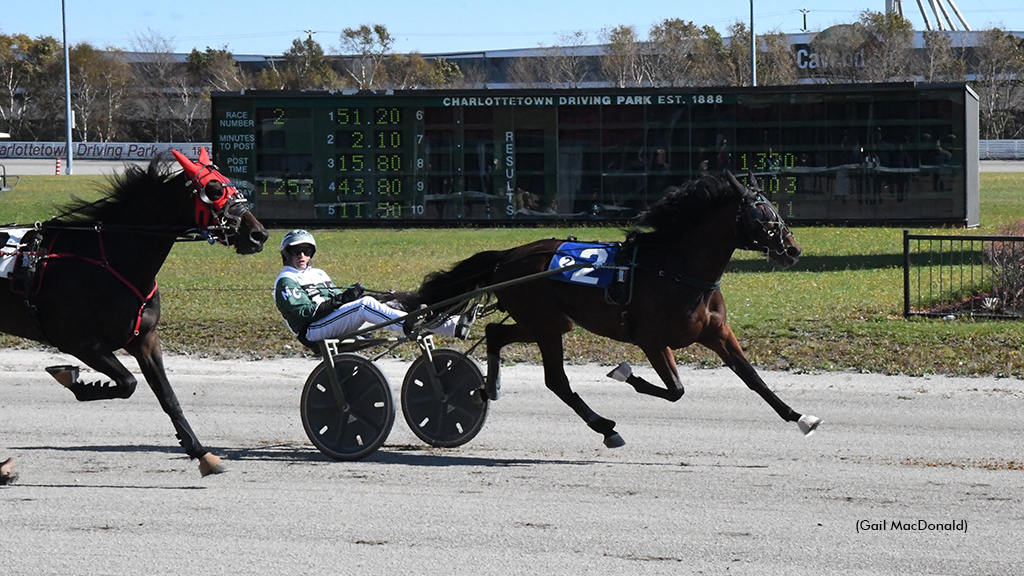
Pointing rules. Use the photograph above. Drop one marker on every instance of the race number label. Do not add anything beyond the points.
(597, 254)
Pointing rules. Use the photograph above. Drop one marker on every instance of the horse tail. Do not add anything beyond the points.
(472, 273)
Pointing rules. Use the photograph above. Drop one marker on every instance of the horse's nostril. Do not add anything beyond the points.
(259, 236)
(794, 251)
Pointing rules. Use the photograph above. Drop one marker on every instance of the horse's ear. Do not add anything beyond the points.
(204, 158)
(737, 187)
(753, 181)
(190, 167)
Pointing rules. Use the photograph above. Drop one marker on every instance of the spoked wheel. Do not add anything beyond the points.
(444, 404)
(355, 423)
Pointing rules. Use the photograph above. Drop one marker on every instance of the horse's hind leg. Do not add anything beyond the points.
(555, 379)
(146, 350)
(664, 363)
(106, 363)
(498, 336)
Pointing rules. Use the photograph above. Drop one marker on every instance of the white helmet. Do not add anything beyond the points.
(296, 237)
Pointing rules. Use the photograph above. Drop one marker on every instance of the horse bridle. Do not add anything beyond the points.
(218, 221)
(757, 211)
(219, 207)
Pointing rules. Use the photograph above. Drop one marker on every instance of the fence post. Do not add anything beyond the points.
(906, 273)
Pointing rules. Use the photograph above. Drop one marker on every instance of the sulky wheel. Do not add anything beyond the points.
(353, 424)
(448, 409)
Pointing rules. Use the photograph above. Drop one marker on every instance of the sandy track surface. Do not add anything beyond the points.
(715, 483)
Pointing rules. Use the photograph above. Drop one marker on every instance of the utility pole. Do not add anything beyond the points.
(753, 48)
(70, 118)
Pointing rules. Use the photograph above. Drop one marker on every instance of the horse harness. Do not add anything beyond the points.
(218, 207)
(619, 292)
(30, 268)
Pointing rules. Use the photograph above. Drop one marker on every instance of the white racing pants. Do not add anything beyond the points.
(363, 313)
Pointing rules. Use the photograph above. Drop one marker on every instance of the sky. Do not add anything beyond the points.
(431, 26)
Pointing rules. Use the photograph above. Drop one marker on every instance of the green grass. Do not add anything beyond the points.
(839, 308)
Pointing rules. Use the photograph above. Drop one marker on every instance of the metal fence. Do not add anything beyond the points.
(979, 276)
(1001, 149)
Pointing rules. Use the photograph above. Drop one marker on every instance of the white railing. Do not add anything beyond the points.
(1001, 149)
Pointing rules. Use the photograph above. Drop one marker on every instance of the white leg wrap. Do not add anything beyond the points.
(808, 424)
(621, 372)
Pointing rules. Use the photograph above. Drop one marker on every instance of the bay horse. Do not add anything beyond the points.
(88, 284)
(671, 301)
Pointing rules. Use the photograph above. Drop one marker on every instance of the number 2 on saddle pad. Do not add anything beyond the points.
(598, 254)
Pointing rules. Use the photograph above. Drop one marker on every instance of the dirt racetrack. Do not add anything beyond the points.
(906, 476)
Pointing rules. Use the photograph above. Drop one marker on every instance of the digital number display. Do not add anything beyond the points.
(856, 154)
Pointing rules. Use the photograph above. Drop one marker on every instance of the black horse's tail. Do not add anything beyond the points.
(468, 275)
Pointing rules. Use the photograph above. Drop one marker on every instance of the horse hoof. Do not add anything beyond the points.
(493, 390)
(7, 474)
(210, 464)
(66, 374)
(614, 441)
(621, 372)
(808, 424)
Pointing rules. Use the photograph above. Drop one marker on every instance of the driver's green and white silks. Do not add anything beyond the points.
(298, 293)
(600, 254)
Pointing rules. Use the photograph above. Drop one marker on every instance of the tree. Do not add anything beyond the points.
(940, 62)
(307, 67)
(566, 64)
(99, 84)
(624, 62)
(999, 66)
(366, 48)
(877, 48)
(736, 69)
(524, 72)
(889, 50)
(474, 75)
(840, 52)
(775, 60)
(710, 59)
(414, 71)
(158, 74)
(673, 46)
(216, 70)
(26, 68)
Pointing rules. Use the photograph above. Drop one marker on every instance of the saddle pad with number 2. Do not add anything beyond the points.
(597, 253)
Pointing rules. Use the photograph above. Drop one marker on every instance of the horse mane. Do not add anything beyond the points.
(683, 207)
(120, 196)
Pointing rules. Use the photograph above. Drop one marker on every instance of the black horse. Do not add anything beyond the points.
(666, 298)
(85, 281)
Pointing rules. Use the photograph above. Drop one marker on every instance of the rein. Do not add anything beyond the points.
(191, 235)
(702, 285)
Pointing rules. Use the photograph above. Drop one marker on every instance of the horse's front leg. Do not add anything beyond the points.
(552, 355)
(664, 363)
(724, 343)
(146, 350)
